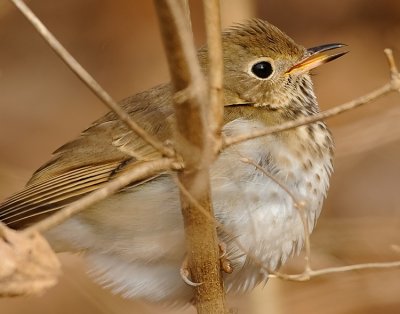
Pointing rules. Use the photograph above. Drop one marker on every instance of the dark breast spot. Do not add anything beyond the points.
(307, 165)
(310, 131)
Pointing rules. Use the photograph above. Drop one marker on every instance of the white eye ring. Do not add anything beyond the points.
(261, 69)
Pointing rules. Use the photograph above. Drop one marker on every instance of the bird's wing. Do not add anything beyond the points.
(102, 152)
(54, 186)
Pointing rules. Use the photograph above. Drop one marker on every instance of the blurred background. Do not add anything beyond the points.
(42, 105)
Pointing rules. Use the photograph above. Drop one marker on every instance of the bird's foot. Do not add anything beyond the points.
(226, 264)
(185, 273)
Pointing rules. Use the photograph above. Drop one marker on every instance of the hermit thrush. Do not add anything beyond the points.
(134, 240)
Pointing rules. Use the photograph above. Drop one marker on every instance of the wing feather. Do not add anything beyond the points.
(58, 182)
(103, 151)
(53, 194)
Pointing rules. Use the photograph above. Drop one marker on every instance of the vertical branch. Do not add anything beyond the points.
(215, 69)
(186, 13)
(194, 144)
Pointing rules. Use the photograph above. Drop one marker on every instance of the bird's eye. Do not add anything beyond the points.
(262, 69)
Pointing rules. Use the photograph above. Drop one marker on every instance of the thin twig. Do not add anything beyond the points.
(307, 275)
(273, 178)
(300, 205)
(393, 85)
(185, 56)
(387, 88)
(186, 13)
(395, 77)
(90, 82)
(215, 71)
(142, 171)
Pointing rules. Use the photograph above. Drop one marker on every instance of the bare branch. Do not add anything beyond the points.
(307, 275)
(395, 76)
(90, 82)
(194, 144)
(392, 63)
(393, 85)
(142, 171)
(215, 70)
(186, 13)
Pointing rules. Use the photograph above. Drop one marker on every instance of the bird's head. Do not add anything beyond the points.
(264, 67)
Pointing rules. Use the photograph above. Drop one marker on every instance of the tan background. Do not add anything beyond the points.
(43, 105)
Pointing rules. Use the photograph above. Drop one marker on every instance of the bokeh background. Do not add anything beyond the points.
(42, 105)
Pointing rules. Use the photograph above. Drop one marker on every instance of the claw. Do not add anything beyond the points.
(226, 264)
(222, 249)
(184, 272)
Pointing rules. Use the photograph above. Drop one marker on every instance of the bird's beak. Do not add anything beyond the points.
(315, 57)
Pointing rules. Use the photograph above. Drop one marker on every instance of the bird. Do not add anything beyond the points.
(133, 241)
